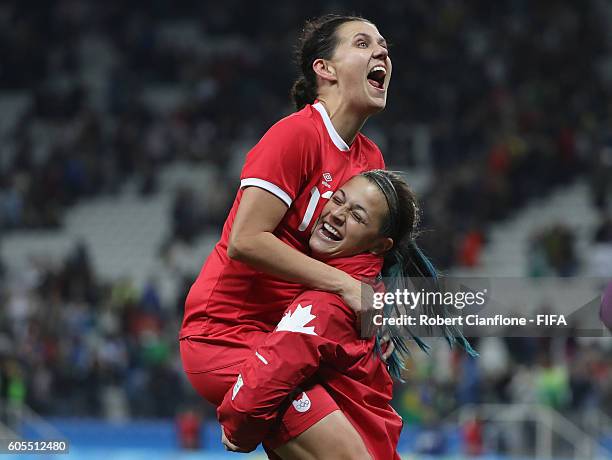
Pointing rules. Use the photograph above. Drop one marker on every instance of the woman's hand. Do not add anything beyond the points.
(229, 446)
(360, 297)
(357, 295)
(390, 346)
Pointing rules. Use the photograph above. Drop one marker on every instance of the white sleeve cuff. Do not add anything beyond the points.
(269, 186)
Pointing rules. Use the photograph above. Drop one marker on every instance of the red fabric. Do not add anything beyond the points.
(295, 420)
(317, 335)
(229, 299)
(214, 384)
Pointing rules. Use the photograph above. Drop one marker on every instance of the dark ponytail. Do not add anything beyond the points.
(303, 93)
(318, 40)
(405, 263)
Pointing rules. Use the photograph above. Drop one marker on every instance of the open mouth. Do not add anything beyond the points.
(376, 77)
(329, 232)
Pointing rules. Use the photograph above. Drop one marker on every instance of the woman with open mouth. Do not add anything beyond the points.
(261, 261)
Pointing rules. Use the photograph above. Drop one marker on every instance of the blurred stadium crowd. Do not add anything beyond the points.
(514, 96)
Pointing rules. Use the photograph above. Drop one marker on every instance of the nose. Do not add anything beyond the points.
(338, 215)
(381, 52)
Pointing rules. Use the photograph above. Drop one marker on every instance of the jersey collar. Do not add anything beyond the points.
(335, 137)
(362, 265)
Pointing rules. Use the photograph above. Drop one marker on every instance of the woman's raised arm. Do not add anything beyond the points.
(253, 242)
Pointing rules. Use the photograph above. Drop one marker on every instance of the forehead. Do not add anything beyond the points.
(361, 191)
(349, 29)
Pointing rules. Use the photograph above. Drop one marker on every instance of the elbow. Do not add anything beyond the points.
(237, 249)
(246, 248)
(233, 251)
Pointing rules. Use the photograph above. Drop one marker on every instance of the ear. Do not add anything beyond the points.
(324, 69)
(382, 245)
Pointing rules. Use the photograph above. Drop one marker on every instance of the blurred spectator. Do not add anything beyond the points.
(185, 214)
(552, 252)
(470, 248)
(603, 234)
(431, 440)
(600, 253)
(473, 437)
(600, 176)
(551, 384)
(188, 425)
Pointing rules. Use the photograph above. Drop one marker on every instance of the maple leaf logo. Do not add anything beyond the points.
(297, 321)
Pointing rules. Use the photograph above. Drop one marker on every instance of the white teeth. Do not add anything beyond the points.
(379, 67)
(331, 229)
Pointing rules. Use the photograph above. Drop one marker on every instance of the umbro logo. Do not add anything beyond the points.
(327, 178)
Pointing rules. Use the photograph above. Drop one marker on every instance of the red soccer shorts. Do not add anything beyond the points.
(212, 368)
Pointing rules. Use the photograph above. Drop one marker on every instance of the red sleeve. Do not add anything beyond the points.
(283, 159)
(374, 155)
(309, 333)
(381, 160)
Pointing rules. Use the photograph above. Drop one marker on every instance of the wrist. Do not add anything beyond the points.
(347, 284)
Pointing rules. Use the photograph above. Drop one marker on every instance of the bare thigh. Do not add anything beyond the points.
(332, 437)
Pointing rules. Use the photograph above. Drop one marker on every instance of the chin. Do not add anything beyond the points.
(380, 106)
(380, 101)
(318, 250)
(375, 105)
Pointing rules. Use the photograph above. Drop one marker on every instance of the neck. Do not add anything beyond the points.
(346, 121)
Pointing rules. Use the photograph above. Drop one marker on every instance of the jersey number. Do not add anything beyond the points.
(315, 196)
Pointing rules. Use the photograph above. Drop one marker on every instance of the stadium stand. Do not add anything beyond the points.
(122, 136)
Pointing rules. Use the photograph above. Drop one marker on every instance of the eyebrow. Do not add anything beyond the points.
(361, 208)
(381, 41)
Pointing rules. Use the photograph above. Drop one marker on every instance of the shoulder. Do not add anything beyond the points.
(325, 313)
(368, 144)
(300, 125)
(324, 303)
(371, 151)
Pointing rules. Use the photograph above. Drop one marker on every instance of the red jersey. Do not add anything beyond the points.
(302, 160)
(317, 334)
